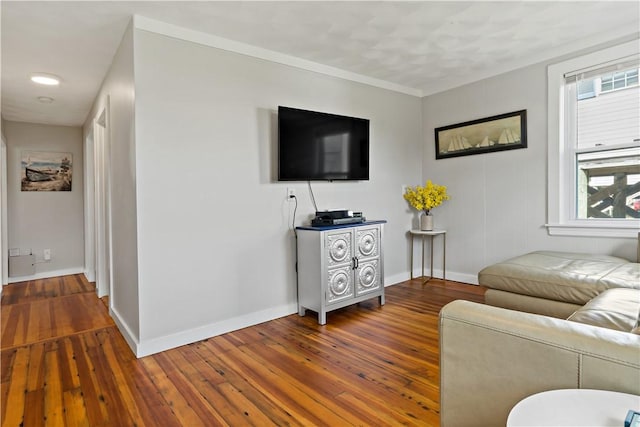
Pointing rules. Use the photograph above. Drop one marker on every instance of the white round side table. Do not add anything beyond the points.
(573, 407)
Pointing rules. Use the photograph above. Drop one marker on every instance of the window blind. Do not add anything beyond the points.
(625, 63)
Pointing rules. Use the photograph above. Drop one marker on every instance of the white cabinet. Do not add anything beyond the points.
(339, 266)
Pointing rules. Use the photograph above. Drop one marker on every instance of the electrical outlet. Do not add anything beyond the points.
(291, 193)
(47, 254)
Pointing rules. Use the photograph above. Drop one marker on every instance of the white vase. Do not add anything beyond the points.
(426, 222)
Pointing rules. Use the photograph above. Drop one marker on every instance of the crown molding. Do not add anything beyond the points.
(170, 30)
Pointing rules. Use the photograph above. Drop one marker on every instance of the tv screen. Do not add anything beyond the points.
(315, 146)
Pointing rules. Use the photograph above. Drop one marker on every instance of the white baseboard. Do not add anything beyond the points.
(47, 274)
(90, 276)
(167, 342)
(471, 279)
(126, 332)
(395, 279)
(143, 348)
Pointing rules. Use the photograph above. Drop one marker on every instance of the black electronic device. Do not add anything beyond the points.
(314, 146)
(323, 222)
(337, 213)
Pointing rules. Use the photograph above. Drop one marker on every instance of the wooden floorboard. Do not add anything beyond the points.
(63, 362)
(45, 319)
(34, 290)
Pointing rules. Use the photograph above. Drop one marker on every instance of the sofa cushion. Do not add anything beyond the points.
(613, 309)
(561, 276)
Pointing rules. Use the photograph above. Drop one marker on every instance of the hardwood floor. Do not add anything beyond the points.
(63, 362)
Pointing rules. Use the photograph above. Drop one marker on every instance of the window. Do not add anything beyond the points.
(586, 89)
(608, 183)
(619, 80)
(594, 144)
(603, 136)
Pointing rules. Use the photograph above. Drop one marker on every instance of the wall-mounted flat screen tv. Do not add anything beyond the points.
(315, 146)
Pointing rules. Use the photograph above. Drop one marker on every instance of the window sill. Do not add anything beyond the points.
(630, 231)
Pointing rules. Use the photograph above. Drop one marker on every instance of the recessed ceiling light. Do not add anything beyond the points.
(45, 99)
(45, 79)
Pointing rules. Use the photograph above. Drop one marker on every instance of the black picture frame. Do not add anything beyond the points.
(496, 133)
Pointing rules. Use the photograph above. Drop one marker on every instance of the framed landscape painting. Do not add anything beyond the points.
(496, 133)
(46, 171)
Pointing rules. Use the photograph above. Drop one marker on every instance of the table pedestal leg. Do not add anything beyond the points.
(431, 258)
(411, 272)
(422, 257)
(444, 257)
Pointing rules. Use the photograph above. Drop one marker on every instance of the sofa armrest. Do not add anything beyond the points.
(491, 358)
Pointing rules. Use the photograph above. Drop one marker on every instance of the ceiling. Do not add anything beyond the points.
(423, 46)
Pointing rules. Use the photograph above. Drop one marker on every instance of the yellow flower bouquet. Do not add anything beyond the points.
(427, 197)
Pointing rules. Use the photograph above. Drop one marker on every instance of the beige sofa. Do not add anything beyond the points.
(555, 283)
(491, 358)
(571, 321)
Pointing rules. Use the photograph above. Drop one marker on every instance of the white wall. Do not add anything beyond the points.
(214, 242)
(498, 200)
(4, 240)
(45, 220)
(117, 96)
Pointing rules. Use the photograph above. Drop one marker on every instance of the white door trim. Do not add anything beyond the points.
(4, 239)
(103, 267)
(89, 209)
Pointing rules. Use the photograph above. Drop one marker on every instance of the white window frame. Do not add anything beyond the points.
(561, 188)
(626, 82)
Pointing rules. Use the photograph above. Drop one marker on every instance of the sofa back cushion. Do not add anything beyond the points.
(613, 309)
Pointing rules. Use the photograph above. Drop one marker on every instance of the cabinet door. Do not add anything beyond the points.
(339, 254)
(338, 248)
(339, 284)
(367, 242)
(368, 277)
